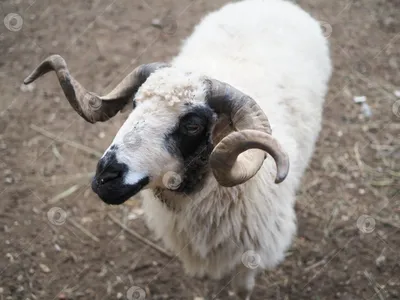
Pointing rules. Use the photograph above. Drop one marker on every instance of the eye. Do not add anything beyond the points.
(193, 129)
(192, 125)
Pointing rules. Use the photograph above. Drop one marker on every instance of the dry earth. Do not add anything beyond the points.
(57, 240)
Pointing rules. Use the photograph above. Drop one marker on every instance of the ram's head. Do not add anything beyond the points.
(182, 124)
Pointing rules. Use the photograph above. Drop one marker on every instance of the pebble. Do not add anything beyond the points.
(27, 88)
(10, 257)
(1, 290)
(198, 298)
(44, 268)
(119, 295)
(359, 99)
(380, 261)
(20, 277)
(156, 23)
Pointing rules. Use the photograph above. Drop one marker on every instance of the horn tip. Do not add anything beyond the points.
(281, 176)
(279, 179)
(28, 80)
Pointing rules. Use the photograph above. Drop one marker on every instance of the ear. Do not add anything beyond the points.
(222, 128)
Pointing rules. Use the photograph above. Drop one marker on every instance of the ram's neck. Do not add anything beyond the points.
(177, 200)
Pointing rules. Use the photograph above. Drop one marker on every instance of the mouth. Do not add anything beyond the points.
(115, 191)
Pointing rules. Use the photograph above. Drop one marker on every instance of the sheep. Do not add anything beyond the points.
(197, 141)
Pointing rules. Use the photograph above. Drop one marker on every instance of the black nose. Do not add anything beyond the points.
(108, 169)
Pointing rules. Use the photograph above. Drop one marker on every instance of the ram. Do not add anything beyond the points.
(198, 145)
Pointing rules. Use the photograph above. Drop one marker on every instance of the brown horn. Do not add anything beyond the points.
(88, 105)
(253, 133)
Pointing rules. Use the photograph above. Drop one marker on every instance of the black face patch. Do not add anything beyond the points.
(191, 142)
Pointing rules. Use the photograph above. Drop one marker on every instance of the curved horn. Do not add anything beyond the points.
(88, 105)
(253, 134)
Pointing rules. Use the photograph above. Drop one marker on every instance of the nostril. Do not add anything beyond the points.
(108, 176)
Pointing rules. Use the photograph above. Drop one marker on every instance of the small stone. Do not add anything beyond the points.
(361, 191)
(10, 257)
(57, 247)
(351, 185)
(102, 135)
(380, 261)
(20, 277)
(119, 295)
(1, 290)
(397, 93)
(359, 99)
(198, 298)
(156, 23)
(44, 268)
(27, 88)
(31, 271)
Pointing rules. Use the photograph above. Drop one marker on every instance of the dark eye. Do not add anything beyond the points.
(192, 125)
(193, 129)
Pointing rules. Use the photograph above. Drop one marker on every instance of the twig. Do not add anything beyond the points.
(57, 153)
(374, 284)
(317, 264)
(64, 194)
(85, 231)
(56, 180)
(358, 158)
(387, 222)
(64, 141)
(321, 262)
(138, 236)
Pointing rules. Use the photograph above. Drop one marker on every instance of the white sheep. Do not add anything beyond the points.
(220, 212)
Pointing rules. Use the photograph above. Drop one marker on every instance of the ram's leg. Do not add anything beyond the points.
(244, 282)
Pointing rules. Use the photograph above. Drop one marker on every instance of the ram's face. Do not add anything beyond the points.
(168, 140)
(164, 143)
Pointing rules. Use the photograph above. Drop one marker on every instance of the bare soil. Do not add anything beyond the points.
(57, 240)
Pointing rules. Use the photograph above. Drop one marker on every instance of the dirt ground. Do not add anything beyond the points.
(57, 238)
